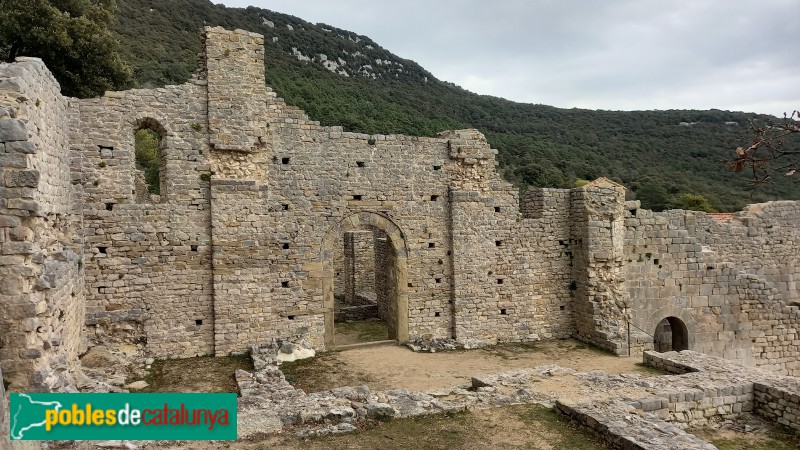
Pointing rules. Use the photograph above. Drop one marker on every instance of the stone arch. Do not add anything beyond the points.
(362, 221)
(143, 193)
(680, 319)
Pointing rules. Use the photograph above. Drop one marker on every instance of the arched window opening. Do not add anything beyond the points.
(148, 149)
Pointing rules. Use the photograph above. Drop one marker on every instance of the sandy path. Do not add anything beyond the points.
(398, 367)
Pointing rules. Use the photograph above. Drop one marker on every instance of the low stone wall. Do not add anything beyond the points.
(620, 426)
(779, 402)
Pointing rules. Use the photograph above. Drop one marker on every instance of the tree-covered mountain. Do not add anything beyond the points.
(341, 78)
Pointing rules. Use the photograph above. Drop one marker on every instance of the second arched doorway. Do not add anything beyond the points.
(671, 334)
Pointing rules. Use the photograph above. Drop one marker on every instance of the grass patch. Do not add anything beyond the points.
(564, 434)
(645, 369)
(364, 330)
(323, 372)
(774, 437)
(200, 374)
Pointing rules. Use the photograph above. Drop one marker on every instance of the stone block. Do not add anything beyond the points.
(22, 178)
(13, 130)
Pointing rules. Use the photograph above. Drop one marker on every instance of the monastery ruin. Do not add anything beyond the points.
(266, 221)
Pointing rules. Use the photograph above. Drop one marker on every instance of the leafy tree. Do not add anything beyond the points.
(71, 37)
(654, 196)
(775, 149)
(693, 202)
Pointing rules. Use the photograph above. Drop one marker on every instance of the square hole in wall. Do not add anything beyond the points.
(438, 280)
(562, 307)
(194, 248)
(285, 160)
(499, 281)
(290, 317)
(497, 209)
(361, 164)
(198, 321)
(102, 250)
(434, 198)
(109, 206)
(431, 245)
(503, 312)
(498, 243)
(409, 284)
(358, 197)
(284, 284)
(284, 207)
(285, 246)
(437, 314)
(437, 167)
(655, 262)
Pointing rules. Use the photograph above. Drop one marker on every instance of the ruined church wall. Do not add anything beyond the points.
(762, 239)
(728, 312)
(41, 296)
(147, 259)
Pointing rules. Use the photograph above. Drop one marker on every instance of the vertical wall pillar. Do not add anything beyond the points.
(601, 310)
(349, 269)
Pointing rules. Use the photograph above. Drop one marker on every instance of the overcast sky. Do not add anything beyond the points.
(741, 55)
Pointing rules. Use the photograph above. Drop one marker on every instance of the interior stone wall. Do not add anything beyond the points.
(42, 292)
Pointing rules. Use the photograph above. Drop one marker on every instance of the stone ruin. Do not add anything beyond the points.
(262, 215)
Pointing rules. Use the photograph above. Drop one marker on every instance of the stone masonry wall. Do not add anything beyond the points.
(41, 294)
(147, 263)
(727, 311)
(245, 239)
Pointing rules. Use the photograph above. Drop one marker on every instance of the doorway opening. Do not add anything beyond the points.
(365, 284)
(671, 335)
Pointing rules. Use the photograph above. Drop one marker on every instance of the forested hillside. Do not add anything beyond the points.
(340, 78)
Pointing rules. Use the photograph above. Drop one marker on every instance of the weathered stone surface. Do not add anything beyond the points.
(13, 130)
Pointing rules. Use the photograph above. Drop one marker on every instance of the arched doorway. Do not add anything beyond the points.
(671, 334)
(364, 265)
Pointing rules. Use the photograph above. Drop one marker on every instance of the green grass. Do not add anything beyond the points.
(367, 330)
(200, 374)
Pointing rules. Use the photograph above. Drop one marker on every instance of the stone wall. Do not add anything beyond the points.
(779, 402)
(730, 310)
(4, 416)
(246, 238)
(42, 291)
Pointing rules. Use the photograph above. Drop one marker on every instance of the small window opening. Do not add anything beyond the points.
(285, 160)
(285, 284)
(100, 290)
(437, 314)
(360, 164)
(562, 307)
(285, 246)
(561, 243)
(102, 249)
(498, 243)
(358, 197)
(109, 206)
(409, 284)
(194, 248)
(291, 317)
(438, 280)
(431, 245)
(434, 198)
(198, 321)
(148, 146)
(437, 167)
(499, 281)
(497, 209)
(710, 268)
(633, 212)
(285, 207)
(503, 312)
(655, 262)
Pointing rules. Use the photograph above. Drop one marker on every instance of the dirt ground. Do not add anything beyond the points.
(390, 366)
